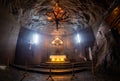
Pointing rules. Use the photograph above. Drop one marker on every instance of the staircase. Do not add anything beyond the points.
(56, 68)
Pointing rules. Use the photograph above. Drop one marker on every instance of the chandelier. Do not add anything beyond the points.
(57, 15)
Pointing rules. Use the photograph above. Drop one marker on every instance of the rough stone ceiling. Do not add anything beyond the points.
(82, 14)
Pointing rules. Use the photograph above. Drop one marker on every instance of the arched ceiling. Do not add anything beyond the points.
(81, 14)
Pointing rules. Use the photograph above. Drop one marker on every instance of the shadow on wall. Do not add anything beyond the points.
(9, 29)
(25, 48)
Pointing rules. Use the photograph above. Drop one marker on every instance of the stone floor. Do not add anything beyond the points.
(11, 74)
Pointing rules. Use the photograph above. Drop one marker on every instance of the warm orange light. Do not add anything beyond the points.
(61, 11)
(61, 42)
(57, 14)
(49, 18)
(116, 11)
(53, 59)
(57, 41)
(53, 42)
(57, 38)
(58, 58)
(62, 59)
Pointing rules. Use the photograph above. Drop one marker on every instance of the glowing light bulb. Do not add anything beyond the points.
(58, 59)
(49, 18)
(78, 38)
(57, 38)
(53, 59)
(62, 59)
(53, 42)
(35, 39)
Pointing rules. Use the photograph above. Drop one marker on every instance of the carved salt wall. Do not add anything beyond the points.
(9, 29)
(105, 51)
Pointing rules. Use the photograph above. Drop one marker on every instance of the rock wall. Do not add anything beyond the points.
(106, 52)
(9, 29)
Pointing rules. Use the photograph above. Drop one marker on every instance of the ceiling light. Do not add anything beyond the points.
(57, 14)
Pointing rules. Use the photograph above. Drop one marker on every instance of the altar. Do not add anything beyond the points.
(58, 59)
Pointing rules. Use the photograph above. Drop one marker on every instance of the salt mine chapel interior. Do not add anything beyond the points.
(59, 40)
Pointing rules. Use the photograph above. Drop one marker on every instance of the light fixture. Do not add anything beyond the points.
(57, 58)
(35, 38)
(57, 14)
(78, 38)
(57, 41)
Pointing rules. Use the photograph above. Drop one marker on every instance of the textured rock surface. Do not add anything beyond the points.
(106, 50)
(9, 30)
(82, 13)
